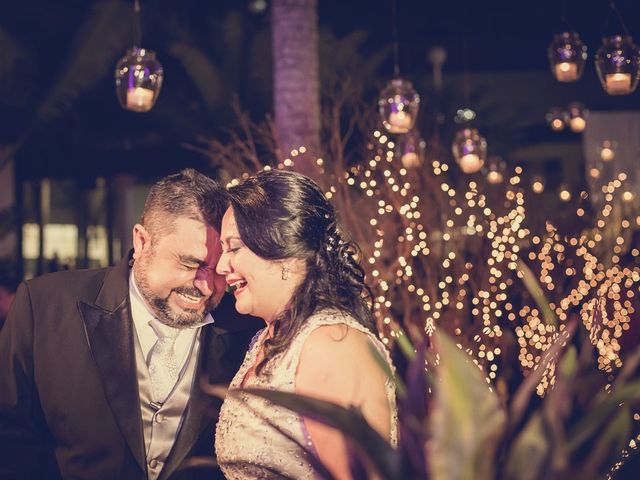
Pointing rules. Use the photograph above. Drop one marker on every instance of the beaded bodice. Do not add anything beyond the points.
(257, 439)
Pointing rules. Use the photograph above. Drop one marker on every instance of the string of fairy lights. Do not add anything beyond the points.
(428, 274)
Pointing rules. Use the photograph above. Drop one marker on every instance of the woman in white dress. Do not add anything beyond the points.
(289, 265)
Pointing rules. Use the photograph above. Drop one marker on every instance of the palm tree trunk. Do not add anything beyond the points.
(294, 25)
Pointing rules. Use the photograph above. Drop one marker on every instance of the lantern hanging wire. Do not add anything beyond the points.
(613, 11)
(138, 75)
(396, 48)
(618, 59)
(567, 54)
(398, 102)
(469, 147)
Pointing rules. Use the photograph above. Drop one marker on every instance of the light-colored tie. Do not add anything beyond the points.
(163, 365)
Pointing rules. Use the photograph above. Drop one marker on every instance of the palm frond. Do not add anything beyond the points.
(104, 35)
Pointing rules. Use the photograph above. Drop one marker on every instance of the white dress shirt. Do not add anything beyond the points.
(142, 316)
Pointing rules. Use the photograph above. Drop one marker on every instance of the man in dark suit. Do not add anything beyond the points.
(100, 370)
(8, 287)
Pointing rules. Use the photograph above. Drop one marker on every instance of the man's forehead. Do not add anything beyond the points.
(187, 234)
(189, 226)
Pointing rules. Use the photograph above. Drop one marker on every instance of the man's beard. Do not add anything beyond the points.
(184, 318)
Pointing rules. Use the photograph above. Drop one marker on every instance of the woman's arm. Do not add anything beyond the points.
(336, 365)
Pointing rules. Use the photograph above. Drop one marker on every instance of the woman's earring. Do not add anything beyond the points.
(286, 273)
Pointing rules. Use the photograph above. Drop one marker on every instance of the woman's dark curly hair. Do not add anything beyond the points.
(283, 214)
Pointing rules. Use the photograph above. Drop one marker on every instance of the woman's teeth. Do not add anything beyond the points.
(236, 285)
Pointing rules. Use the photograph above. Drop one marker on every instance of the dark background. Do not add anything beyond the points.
(59, 112)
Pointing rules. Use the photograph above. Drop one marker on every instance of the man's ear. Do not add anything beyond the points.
(141, 240)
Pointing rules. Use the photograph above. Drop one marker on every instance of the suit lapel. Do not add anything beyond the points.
(201, 414)
(110, 334)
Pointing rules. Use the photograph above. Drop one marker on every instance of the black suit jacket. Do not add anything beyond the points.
(69, 402)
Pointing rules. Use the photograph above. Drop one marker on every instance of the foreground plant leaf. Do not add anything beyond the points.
(536, 292)
(401, 389)
(610, 443)
(591, 424)
(369, 443)
(413, 416)
(529, 453)
(467, 420)
(522, 396)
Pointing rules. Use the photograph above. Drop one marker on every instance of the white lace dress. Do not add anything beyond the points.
(248, 443)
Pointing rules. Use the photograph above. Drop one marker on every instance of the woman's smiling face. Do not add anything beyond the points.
(260, 289)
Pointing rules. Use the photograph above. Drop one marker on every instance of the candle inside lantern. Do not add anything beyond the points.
(399, 122)
(470, 163)
(618, 83)
(577, 124)
(566, 71)
(139, 99)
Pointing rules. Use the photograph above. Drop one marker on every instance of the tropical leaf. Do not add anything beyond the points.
(369, 443)
(401, 389)
(531, 448)
(204, 73)
(536, 292)
(413, 416)
(610, 443)
(199, 462)
(592, 423)
(221, 391)
(558, 407)
(104, 36)
(407, 349)
(340, 57)
(467, 419)
(522, 396)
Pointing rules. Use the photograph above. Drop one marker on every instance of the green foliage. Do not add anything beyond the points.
(467, 419)
(103, 37)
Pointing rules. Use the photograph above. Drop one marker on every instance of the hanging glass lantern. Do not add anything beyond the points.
(469, 150)
(495, 170)
(411, 149)
(555, 119)
(576, 117)
(138, 80)
(398, 106)
(618, 64)
(567, 56)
